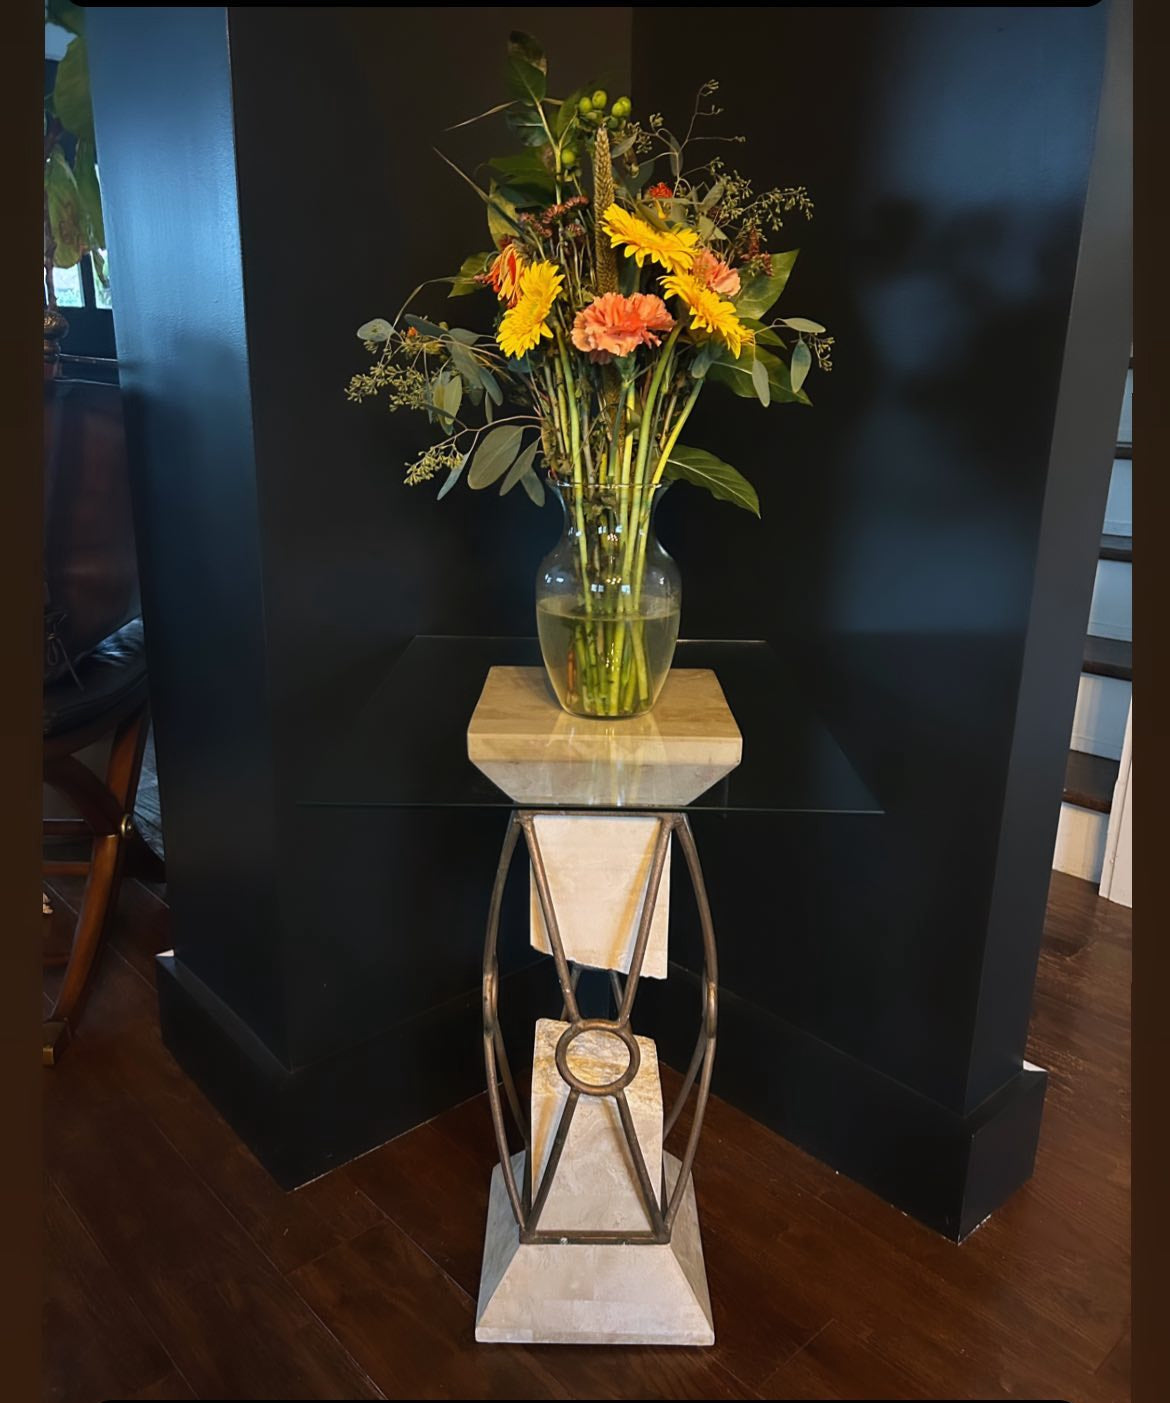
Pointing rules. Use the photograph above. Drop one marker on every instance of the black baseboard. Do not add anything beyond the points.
(947, 1170)
(302, 1122)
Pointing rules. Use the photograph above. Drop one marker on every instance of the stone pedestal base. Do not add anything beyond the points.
(607, 1293)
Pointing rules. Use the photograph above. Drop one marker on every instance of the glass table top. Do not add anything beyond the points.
(404, 744)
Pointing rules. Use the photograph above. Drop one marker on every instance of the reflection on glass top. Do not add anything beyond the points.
(745, 740)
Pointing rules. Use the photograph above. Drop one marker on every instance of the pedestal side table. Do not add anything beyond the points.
(593, 1232)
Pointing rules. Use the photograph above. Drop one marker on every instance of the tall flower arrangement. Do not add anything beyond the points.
(627, 275)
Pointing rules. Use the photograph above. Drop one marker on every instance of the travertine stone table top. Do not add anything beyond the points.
(522, 739)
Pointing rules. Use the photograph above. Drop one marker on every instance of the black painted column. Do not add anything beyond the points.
(925, 559)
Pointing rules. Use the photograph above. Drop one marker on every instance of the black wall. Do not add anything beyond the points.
(925, 558)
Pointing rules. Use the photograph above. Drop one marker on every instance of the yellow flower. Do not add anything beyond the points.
(709, 312)
(673, 248)
(526, 323)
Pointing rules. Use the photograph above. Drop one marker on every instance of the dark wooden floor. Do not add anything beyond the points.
(177, 1269)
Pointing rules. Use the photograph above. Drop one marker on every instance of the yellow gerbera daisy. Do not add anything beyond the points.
(673, 248)
(526, 323)
(709, 312)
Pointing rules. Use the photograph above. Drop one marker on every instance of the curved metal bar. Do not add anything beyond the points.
(510, 1090)
(568, 991)
(666, 826)
(659, 1225)
(574, 980)
(615, 985)
(710, 1012)
(688, 1080)
(491, 1032)
(554, 1159)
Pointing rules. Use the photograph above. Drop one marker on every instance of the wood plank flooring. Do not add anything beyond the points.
(176, 1269)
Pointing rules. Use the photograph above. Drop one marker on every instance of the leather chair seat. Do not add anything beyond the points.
(111, 676)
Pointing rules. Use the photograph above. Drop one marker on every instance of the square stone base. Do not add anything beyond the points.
(595, 1293)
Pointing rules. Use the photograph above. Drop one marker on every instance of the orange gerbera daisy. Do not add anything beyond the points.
(613, 325)
(504, 275)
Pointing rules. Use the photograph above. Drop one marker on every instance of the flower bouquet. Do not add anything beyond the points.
(626, 278)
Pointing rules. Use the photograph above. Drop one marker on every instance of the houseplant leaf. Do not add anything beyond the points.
(71, 91)
(86, 176)
(65, 217)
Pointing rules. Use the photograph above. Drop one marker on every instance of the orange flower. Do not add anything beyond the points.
(504, 274)
(713, 273)
(614, 325)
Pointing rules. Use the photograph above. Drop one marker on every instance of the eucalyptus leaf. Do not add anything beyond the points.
(468, 368)
(491, 385)
(758, 291)
(65, 217)
(376, 330)
(703, 469)
(760, 382)
(447, 396)
(737, 376)
(522, 465)
(71, 91)
(801, 361)
(494, 455)
(532, 484)
(702, 361)
(802, 324)
(452, 477)
(460, 333)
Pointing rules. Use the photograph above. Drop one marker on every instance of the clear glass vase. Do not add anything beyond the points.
(607, 602)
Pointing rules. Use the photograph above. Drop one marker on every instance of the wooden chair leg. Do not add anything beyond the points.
(111, 843)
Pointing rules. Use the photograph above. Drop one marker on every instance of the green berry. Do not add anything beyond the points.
(585, 106)
(613, 123)
(568, 158)
(600, 97)
(622, 108)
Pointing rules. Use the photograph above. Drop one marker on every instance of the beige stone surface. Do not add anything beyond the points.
(598, 867)
(595, 1186)
(604, 1294)
(522, 739)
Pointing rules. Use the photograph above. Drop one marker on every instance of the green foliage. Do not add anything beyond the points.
(738, 375)
(801, 361)
(703, 469)
(65, 217)
(759, 291)
(494, 456)
(468, 270)
(71, 99)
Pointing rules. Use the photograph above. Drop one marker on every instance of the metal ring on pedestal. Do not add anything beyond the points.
(598, 1025)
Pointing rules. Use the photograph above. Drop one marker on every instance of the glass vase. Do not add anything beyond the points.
(607, 602)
